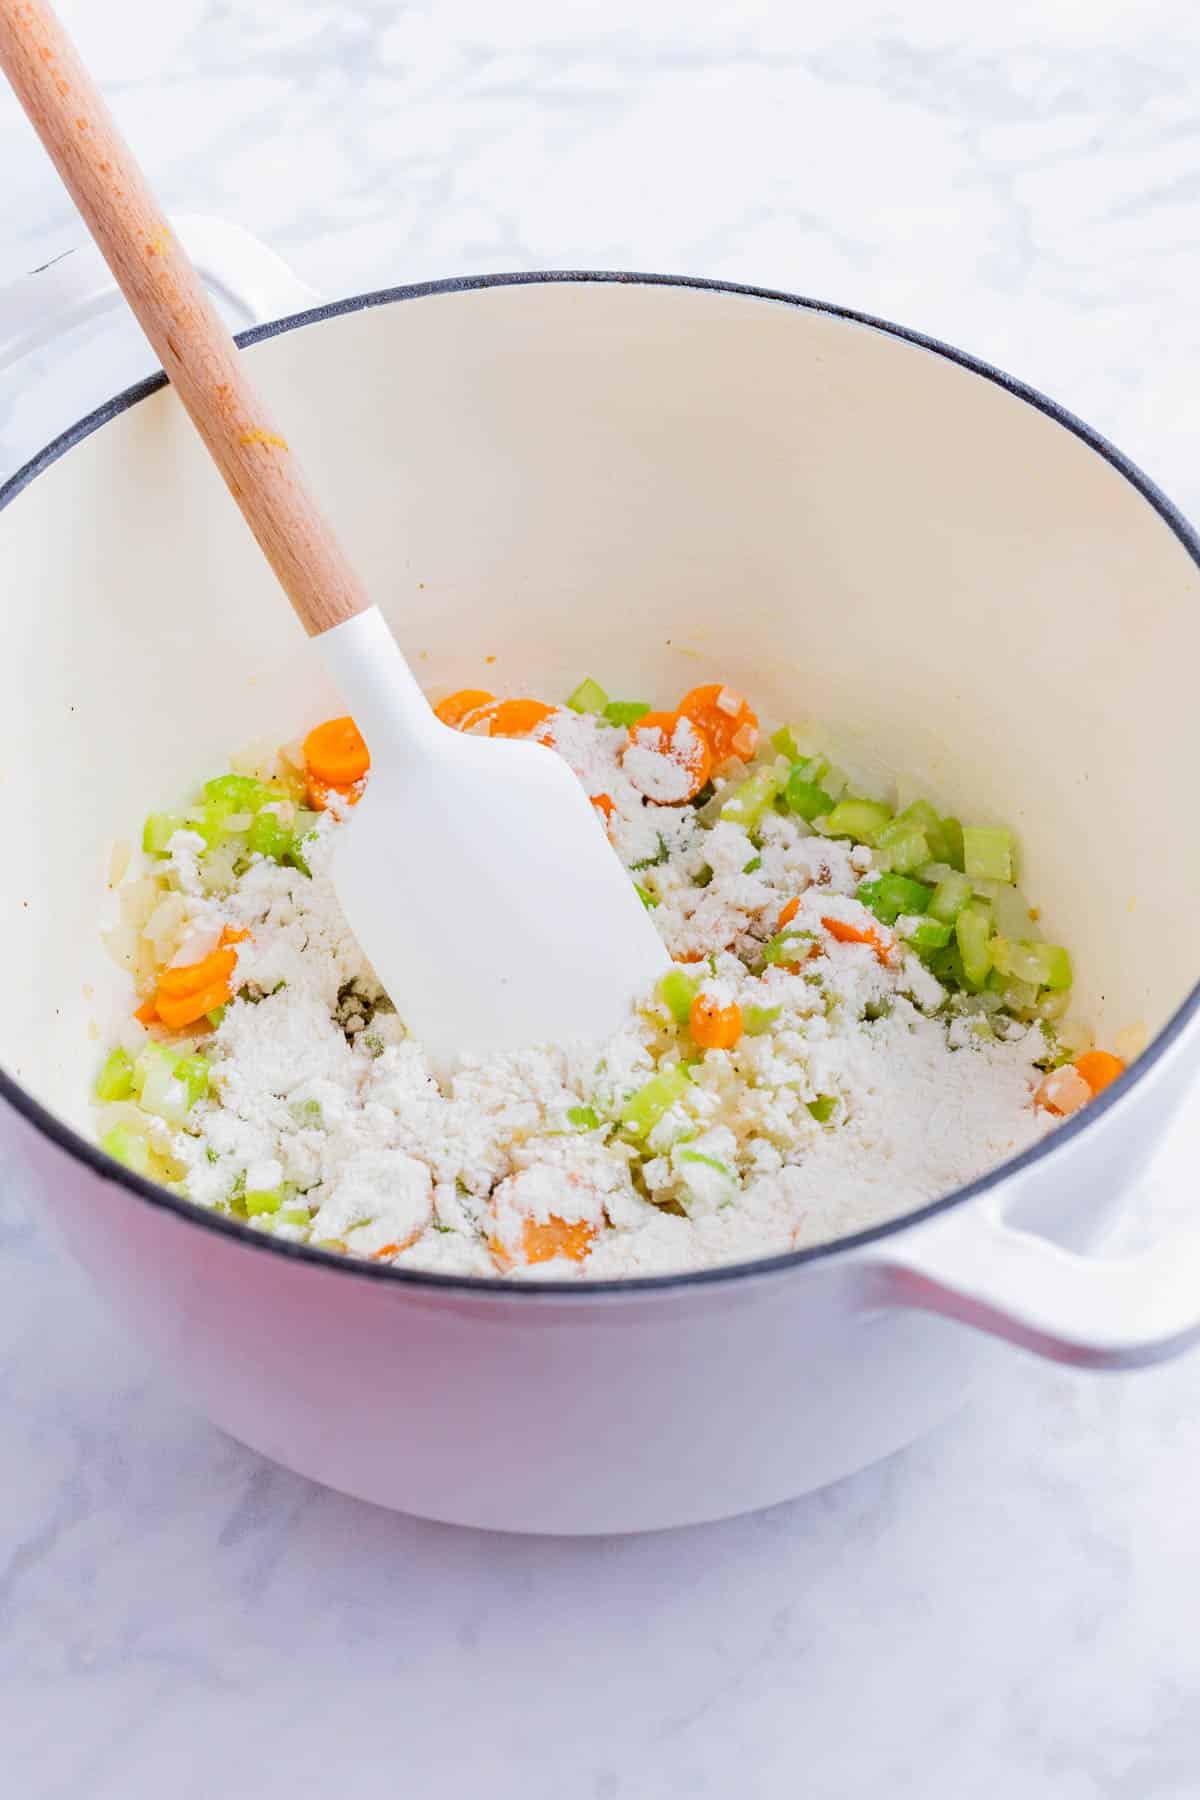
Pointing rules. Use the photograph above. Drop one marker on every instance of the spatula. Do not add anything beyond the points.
(475, 872)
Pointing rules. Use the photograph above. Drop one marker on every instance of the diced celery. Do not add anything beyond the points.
(150, 1057)
(987, 852)
(1019, 997)
(817, 770)
(949, 897)
(1042, 965)
(972, 931)
(193, 1072)
(295, 1215)
(783, 741)
(747, 804)
(127, 1146)
(158, 831)
(678, 991)
(924, 933)
(823, 1108)
(789, 946)
(269, 836)
(805, 797)
(625, 712)
(589, 697)
(754, 863)
(583, 1118)
(304, 824)
(215, 1016)
(165, 1094)
(945, 965)
(861, 820)
(903, 845)
(1053, 1004)
(1010, 907)
(115, 1080)
(648, 900)
(759, 1019)
(655, 1098)
(239, 793)
(890, 895)
(264, 1200)
(706, 1162)
(952, 843)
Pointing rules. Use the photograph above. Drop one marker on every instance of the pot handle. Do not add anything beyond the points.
(971, 1264)
(75, 287)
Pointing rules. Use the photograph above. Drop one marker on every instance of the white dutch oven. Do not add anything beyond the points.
(654, 481)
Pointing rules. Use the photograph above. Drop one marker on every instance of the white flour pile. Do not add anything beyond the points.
(846, 1101)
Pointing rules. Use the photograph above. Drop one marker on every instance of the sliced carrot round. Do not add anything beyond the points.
(715, 1027)
(336, 754)
(1099, 1069)
(517, 718)
(189, 978)
(680, 743)
(726, 719)
(455, 707)
(178, 1011)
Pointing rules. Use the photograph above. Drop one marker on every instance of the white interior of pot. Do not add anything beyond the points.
(655, 486)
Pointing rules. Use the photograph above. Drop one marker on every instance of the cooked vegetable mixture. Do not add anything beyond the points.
(861, 1014)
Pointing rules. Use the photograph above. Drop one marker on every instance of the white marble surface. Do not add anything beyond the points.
(1007, 1609)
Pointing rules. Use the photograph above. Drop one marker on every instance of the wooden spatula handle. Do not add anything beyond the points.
(176, 315)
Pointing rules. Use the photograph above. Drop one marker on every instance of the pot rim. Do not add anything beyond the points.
(92, 1157)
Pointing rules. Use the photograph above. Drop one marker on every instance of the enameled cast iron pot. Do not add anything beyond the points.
(657, 481)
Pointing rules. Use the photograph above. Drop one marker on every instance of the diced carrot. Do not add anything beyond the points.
(715, 1027)
(234, 934)
(689, 956)
(318, 792)
(177, 1011)
(336, 754)
(692, 752)
(455, 707)
(726, 720)
(546, 1238)
(603, 804)
(1099, 1068)
(789, 912)
(147, 1012)
(884, 945)
(517, 718)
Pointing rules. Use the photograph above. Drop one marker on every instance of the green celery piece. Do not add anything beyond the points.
(678, 991)
(905, 845)
(783, 741)
(165, 1093)
(950, 896)
(1020, 997)
(890, 895)
(754, 863)
(987, 853)
(947, 966)
(1041, 965)
(823, 1108)
(303, 826)
(708, 1162)
(589, 697)
(747, 804)
(269, 836)
(653, 1100)
(788, 946)
(150, 1057)
(972, 931)
(861, 820)
(625, 712)
(115, 1080)
(127, 1146)
(759, 1019)
(952, 843)
(295, 1215)
(924, 933)
(215, 1016)
(193, 1072)
(648, 900)
(263, 1200)
(158, 831)
(818, 770)
(806, 798)
(1053, 1004)
(239, 793)
(583, 1118)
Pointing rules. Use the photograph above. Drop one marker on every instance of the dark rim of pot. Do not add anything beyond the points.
(1053, 1145)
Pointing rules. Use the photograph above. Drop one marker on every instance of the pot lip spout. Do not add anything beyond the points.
(530, 1294)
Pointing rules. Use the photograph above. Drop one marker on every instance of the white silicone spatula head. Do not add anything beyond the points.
(474, 873)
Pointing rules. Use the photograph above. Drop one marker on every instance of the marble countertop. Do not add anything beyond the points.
(1006, 1609)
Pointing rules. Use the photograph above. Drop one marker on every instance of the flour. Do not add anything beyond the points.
(859, 1096)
